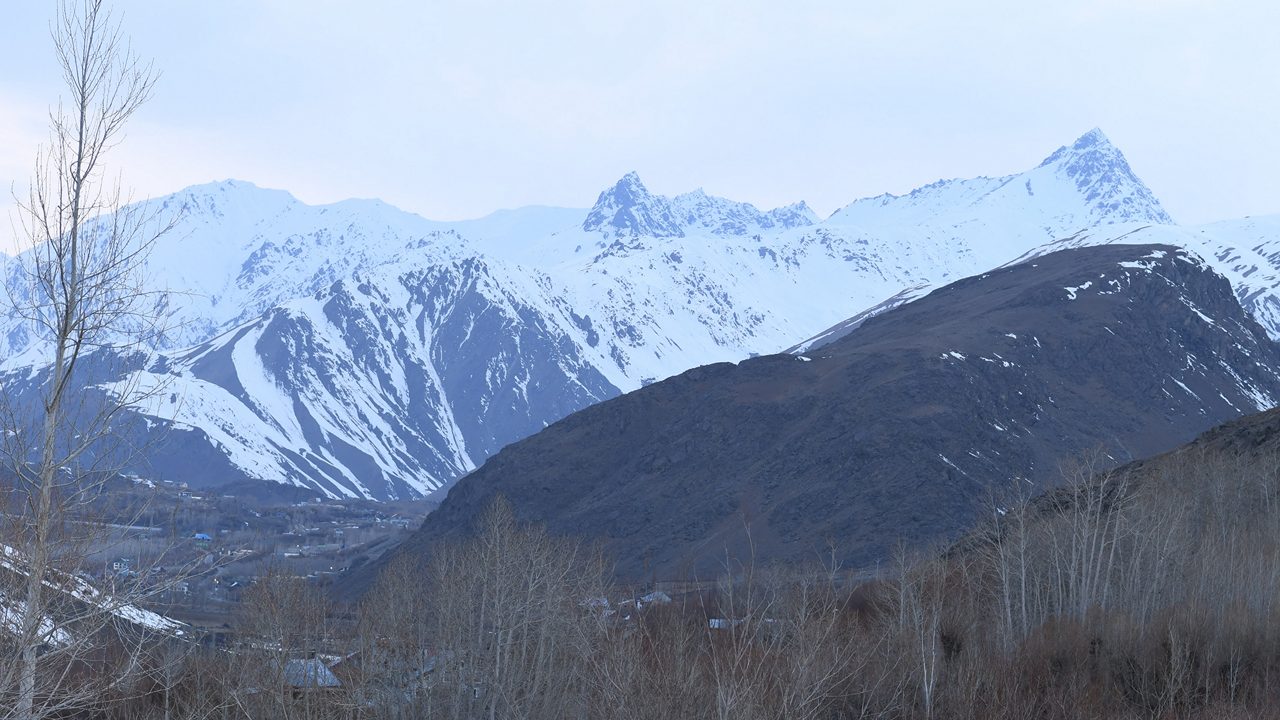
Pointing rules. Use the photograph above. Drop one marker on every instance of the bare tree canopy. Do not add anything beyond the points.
(78, 284)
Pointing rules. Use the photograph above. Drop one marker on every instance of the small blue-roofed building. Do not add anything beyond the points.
(308, 674)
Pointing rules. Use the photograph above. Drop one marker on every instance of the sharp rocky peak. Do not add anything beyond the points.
(1091, 146)
(1091, 168)
(629, 187)
(795, 214)
(1102, 175)
(629, 209)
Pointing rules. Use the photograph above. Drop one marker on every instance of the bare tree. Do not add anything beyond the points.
(394, 655)
(78, 287)
(285, 630)
(920, 592)
(507, 607)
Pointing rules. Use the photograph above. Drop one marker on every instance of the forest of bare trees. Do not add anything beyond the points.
(1137, 594)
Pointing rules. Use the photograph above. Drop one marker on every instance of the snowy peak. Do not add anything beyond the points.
(228, 201)
(795, 215)
(628, 209)
(1093, 145)
(698, 210)
(1082, 185)
(1102, 176)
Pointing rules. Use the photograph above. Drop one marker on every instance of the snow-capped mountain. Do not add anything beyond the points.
(353, 348)
(382, 384)
(977, 223)
(679, 293)
(361, 350)
(628, 209)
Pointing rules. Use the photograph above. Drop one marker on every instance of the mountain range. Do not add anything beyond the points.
(905, 429)
(359, 350)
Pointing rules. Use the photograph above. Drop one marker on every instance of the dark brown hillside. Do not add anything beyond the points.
(898, 430)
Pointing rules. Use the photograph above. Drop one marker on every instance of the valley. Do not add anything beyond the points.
(815, 364)
(194, 552)
(663, 416)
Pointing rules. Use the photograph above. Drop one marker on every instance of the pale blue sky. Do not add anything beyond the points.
(454, 109)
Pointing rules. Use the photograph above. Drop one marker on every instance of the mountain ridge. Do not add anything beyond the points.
(551, 317)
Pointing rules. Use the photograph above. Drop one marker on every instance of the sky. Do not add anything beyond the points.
(454, 109)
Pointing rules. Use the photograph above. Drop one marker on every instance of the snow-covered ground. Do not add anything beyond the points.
(94, 602)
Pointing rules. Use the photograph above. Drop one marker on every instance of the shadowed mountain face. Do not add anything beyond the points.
(898, 430)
